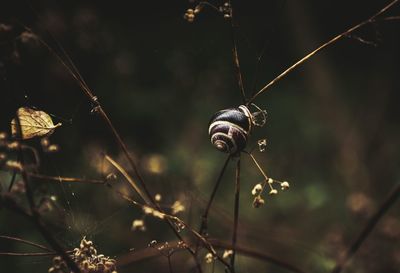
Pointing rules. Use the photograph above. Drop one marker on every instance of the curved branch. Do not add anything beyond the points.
(330, 42)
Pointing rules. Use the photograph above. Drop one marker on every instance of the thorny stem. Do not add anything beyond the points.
(236, 215)
(330, 42)
(372, 222)
(35, 215)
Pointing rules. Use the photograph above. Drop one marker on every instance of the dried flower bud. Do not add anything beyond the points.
(14, 166)
(258, 202)
(3, 158)
(257, 189)
(177, 207)
(138, 224)
(273, 192)
(157, 197)
(45, 142)
(182, 244)
(13, 145)
(285, 185)
(52, 148)
(3, 136)
(209, 257)
(227, 254)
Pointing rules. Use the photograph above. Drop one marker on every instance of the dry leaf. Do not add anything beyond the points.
(33, 123)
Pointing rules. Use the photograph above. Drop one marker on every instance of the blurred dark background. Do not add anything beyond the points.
(332, 126)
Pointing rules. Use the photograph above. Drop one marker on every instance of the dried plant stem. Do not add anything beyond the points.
(204, 220)
(372, 222)
(170, 218)
(19, 240)
(129, 178)
(256, 254)
(73, 71)
(146, 253)
(236, 216)
(258, 166)
(330, 42)
(28, 254)
(235, 55)
(34, 213)
(65, 179)
(169, 264)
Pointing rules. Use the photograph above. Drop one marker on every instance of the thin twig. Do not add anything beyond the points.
(330, 42)
(236, 215)
(146, 253)
(171, 218)
(28, 254)
(169, 264)
(129, 178)
(66, 179)
(365, 232)
(204, 219)
(19, 240)
(256, 254)
(235, 55)
(100, 111)
(35, 215)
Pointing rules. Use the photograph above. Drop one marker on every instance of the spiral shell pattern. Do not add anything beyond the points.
(229, 129)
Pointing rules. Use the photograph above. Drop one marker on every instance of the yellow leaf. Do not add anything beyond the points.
(33, 123)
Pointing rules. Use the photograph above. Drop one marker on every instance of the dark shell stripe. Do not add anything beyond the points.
(233, 116)
(229, 129)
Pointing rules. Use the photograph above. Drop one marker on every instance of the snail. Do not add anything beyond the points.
(229, 129)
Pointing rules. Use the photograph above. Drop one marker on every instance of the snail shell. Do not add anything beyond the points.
(229, 129)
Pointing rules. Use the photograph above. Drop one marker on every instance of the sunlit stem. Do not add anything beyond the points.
(370, 20)
(259, 167)
(129, 178)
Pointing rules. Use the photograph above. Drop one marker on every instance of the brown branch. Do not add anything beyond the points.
(365, 232)
(27, 254)
(65, 179)
(34, 213)
(204, 220)
(330, 42)
(236, 215)
(256, 254)
(19, 240)
(100, 111)
(235, 55)
(147, 253)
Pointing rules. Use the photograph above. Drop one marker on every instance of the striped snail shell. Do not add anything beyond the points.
(229, 129)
